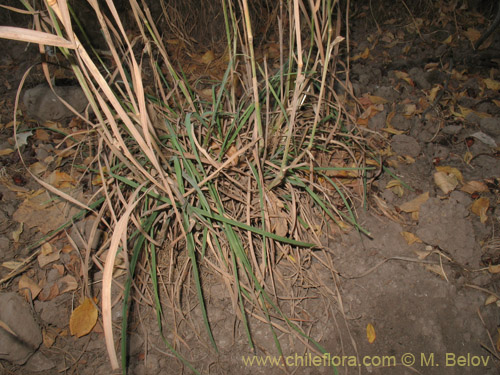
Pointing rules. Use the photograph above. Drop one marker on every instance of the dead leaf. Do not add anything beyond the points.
(446, 182)
(17, 233)
(6, 151)
(7, 328)
(67, 284)
(12, 264)
(22, 138)
(448, 40)
(43, 260)
(230, 152)
(28, 287)
(48, 294)
(494, 269)
(38, 168)
(377, 99)
(490, 299)
(410, 238)
(472, 34)
(405, 77)
(480, 207)
(37, 210)
(46, 249)
(492, 84)
(485, 138)
(498, 340)
(49, 336)
(472, 187)
(451, 170)
(433, 93)
(370, 333)
(61, 180)
(435, 268)
(208, 57)
(277, 215)
(409, 109)
(414, 204)
(396, 187)
(364, 55)
(83, 318)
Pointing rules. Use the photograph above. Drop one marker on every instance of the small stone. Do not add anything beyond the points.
(17, 347)
(405, 145)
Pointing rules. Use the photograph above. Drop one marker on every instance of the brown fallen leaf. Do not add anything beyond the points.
(451, 170)
(480, 207)
(472, 34)
(414, 204)
(446, 182)
(29, 288)
(472, 187)
(83, 318)
(44, 259)
(49, 336)
(410, 238)
(67, 284)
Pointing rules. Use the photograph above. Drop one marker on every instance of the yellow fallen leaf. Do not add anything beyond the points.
(393, 131)
(480, 207)
(208, 57)
(466, 111)
(433, 93)
(468, 157)
(83, 318)
(414, 204)
(494, 269)
(370, 333)
(448, 40)
(6, 151)
(61, 180)
(490, 299)
(364, 55)
(410, 238)
(446, 182)
(377, 99)
(492, 84)
(451, 170)
(396, 187)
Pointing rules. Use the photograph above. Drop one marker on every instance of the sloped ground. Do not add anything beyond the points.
(426, 281)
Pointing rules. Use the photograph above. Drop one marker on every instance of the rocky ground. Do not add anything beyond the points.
(426, 281)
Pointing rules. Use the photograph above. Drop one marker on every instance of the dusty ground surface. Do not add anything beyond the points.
(430, 297)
